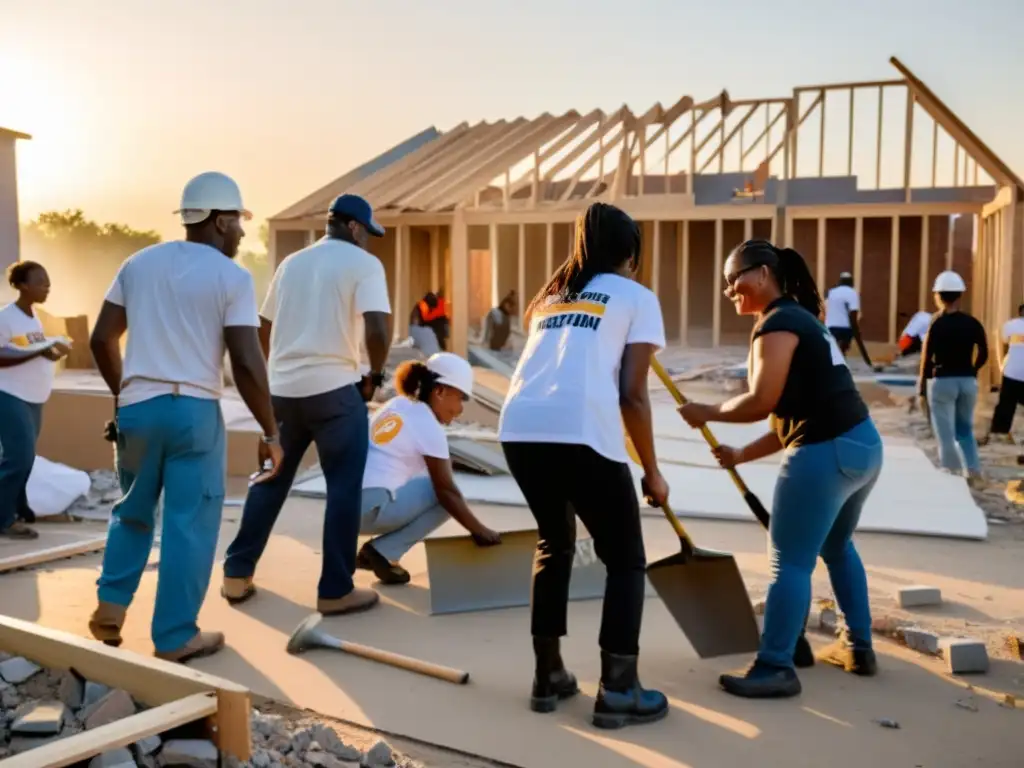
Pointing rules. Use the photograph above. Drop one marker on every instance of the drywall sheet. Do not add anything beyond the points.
(908, 498)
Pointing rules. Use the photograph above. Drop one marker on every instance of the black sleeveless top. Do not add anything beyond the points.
(820, 400)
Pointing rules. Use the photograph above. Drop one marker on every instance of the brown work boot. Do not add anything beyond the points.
(203, 644)
(19, 531)
(106, 622)
(359, 599)
(237, 591)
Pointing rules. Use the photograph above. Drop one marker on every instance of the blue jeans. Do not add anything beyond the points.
(952, 402)
(178, 445)
(338, 423)
(20, 422)
(399, 522)
(819, 495)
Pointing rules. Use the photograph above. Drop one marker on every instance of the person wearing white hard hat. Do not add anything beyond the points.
(181, 303)
(408, 486)
(954, 350)
(327, 305)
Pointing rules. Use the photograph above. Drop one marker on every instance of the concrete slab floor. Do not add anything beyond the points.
(831, 722)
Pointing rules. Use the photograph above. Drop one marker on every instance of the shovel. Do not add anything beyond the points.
(759, 510)
(704, 591)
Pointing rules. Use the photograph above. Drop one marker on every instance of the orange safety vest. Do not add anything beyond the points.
(428, 314)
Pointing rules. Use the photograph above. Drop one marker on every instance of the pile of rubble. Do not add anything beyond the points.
(39, 706)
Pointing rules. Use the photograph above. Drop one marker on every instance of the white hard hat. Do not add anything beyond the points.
(949, 282)
(210, 191)
(453, 371)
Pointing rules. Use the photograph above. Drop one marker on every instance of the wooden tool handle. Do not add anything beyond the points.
(448, 674)
(708, 436)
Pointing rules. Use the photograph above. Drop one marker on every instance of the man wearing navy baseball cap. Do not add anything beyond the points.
(326, 306)
(355, 213)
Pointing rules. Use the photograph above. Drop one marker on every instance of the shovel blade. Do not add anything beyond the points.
(705, 593)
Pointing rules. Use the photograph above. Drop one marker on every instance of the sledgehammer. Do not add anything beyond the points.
(308, 635)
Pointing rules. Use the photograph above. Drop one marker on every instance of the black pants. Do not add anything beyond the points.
(1011, 393)
(559, 482)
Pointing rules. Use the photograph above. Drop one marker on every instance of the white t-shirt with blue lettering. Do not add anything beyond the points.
(565, 388)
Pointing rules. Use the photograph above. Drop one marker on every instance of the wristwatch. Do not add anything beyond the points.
(377, 379)
(270, 440)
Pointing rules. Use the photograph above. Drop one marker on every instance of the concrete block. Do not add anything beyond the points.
(18, 670)
(965, 656)
(40, 718)
(192, 753)
(115, 758)
(921, 640)
(919, 596)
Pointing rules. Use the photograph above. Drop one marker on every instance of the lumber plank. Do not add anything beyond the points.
(50, 554)
(121, 733)
(152, 681)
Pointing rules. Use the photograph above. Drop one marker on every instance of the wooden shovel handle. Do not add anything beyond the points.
(448, 674)
(708, 436)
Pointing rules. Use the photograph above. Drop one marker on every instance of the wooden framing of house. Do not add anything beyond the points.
(176, 695)
(484, 208)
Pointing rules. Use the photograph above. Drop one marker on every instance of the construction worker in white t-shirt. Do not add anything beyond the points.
(842, 311)
(181, 303)
(408, 486)
(1011, 390)
(912, 338)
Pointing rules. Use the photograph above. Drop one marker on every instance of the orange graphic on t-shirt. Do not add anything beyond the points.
(386, 430)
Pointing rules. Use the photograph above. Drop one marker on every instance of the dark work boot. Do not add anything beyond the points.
(856, 661)
(762, 681)
(621, 700)
(803, 654)
(552, 681)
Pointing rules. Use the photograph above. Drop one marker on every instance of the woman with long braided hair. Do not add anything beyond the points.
(583, 372)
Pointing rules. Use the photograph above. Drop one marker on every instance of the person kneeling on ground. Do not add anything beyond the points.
(833, 457)
(408, 488)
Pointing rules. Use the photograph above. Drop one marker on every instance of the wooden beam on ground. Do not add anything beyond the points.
(149, 680)
(48, 555)
(121, 733)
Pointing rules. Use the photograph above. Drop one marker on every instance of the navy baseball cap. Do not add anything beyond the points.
(357, 209)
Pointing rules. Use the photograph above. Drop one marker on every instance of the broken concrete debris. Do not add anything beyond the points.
(115, 758)
(919, 596)
(18, 670)
(921, 640)
(39, 718)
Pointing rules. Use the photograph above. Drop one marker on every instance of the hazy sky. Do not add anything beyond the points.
(126, 99)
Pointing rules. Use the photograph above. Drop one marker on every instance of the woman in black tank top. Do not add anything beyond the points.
(833, 455)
